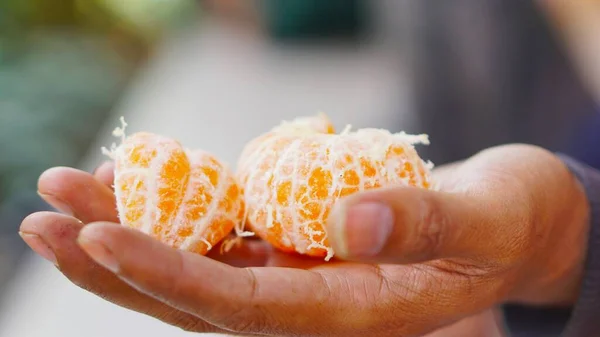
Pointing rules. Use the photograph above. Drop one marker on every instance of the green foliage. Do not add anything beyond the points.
(143, 18)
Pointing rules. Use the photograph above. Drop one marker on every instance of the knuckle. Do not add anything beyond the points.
(431, 229)
(382, 303)
(178, 277)
(250, 316)
(253, 285)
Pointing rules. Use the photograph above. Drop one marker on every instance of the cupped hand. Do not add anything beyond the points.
(509, 224)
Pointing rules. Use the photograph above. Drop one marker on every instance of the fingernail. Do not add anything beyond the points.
(363, 229)
(37, 244)
(56, 203)
(93, 246)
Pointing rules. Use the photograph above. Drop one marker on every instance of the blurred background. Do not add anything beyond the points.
(471, 74)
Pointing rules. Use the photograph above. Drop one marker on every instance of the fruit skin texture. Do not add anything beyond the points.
(292, 176)
(186, 199)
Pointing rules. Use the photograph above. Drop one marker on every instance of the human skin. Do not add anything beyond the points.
(509, 224)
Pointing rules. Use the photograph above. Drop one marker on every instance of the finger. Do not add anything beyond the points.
(78, 193)
(54, 237)
(410, 225)
(105, 173)
(278, 301)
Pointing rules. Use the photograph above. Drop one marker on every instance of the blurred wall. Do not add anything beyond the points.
(490, 72)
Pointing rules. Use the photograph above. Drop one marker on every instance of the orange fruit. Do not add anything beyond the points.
(186, 199)
(292, 175)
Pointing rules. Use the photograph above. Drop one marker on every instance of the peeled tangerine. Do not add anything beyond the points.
(292, 176)
(186, 199)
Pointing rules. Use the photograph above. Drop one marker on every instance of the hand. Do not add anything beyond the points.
(509, 224)
(89, 198)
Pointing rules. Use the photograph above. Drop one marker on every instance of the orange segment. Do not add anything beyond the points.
(186, 199)
(292, 176)
(319, 183)
(174, 174)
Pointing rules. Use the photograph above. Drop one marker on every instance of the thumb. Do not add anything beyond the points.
(408, 225)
